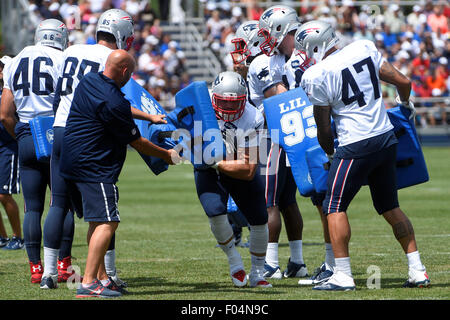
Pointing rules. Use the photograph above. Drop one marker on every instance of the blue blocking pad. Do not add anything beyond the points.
(291, 123)
(42, 133)
(201, 138)
(318, 166)
(141, 99)
(411, 166)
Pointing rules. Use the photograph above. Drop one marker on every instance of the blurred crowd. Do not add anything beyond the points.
(416, 39)
(160, 61)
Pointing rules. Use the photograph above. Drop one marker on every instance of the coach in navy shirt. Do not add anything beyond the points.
(98, 130)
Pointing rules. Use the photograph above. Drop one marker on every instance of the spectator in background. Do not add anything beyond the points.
(394, 19)
(437, 20)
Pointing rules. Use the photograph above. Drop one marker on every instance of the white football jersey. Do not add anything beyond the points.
(258, 79)
(294, 69)
(244, 129)
(276, 69)
(348, 81)
(79, 60)
(32, 77)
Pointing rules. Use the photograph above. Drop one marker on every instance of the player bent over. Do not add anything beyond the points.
(236, 178)
(345, 84)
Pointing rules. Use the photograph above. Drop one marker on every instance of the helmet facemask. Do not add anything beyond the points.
(270, 43)
(241, 52)
(228, 107)
(306, 61)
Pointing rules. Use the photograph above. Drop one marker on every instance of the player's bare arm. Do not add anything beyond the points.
(153, 118)
(274, 90)
(244, 168)
(390, 74)
(322, 116)
(144, 146)
(7, 112)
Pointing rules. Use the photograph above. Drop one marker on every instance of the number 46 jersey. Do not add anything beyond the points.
(32, 76)
(348, 81)
(79, 60)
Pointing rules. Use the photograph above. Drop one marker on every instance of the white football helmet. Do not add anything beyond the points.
(229, 95)
(118, 23)
(246, 42)
(274, 24)
(315, 38)
(52, 33)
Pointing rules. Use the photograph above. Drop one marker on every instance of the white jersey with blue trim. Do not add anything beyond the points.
(32, 77)
(276, 69)
(244, 128)
(258, 79)
(78, 60)
(294, 69)
(348, 81)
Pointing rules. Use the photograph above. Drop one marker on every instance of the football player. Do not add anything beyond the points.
(30, 83)
(238, 121)
(278, 25)
(9, 181)
(345, 84)
(114, 30)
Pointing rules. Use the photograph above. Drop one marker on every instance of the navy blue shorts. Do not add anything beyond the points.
(99, 200)
(213, 190)
(9, 169)
(280, 187)
(348, 175)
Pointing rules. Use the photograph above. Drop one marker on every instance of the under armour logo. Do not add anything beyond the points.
(61, 265)
(36, 268)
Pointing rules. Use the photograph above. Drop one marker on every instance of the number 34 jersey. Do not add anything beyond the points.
(32, 76)
(348, 81)
(79, 60)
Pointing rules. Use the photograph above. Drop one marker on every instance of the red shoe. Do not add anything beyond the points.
(36, 272)
(63, 274)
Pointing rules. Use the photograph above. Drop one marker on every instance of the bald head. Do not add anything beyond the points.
(119, 67)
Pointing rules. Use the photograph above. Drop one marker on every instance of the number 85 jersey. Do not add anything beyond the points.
(32, 76)
(348, 82)
(79, 59)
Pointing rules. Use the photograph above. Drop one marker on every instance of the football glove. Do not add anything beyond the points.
(408, 105)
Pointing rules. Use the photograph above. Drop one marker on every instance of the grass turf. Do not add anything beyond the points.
(165, 249)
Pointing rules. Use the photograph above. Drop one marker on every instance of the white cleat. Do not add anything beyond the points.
(339, 281)
(239, 278)
(258, 281)
(417, 279)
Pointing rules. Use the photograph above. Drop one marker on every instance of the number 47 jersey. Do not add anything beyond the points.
(79, 60)
(32, 76)
(348, 81)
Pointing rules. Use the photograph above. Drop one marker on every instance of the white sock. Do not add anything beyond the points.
(110, 262)
(343, 264)
(413, 261)
(296, 247)
(257, 264)
(50, 261)
(272, 254)
(234, 258)
(329, 255)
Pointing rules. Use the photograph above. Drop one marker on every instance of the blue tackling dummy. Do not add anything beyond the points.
(200, 136)
(291, 124)
(159, 134)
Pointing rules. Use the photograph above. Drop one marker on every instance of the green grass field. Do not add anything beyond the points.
(165, 249)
